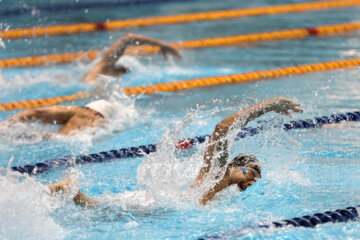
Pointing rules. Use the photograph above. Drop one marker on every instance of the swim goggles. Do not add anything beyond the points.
(249, 174)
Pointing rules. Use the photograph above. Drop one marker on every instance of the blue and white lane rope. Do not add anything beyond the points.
(182, 144)
(308, 221)
(80, 6)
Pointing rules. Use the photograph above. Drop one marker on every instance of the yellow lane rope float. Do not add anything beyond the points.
(198, 83)
(242, 77)
(46, 60)
(174, 19)
(42, 102)
(199, 43)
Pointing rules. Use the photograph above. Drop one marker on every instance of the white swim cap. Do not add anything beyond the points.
(103, 107)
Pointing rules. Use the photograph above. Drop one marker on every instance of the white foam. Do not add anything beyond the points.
(25, 210)
(140, 201)
(167, 174)
(126, 115)
(59, 77)
(19, 133)
(285, 176)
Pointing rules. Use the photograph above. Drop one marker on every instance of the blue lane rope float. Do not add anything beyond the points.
(182, 144)
(100, 157)
(308, 221)
(81, 6)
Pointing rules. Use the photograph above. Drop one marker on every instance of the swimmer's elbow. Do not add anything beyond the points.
(129, 35)
(128, 38)
(220, 130)
(26, 115)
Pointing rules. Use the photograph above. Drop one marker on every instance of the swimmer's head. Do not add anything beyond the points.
(123, 69)
(243, 160)
(247, 161)
(105, 108)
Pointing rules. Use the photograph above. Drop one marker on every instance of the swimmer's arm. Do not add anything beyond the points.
(79, 199)
(84, 201)
(243, 117)
(107, 64)
(50, 115)
(118, 48)
(221, 148)
(209, 195)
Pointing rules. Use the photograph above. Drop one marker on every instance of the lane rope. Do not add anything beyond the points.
(242, 77)
(297, 33)
(131, 152)
(43, 102)
(80, 6)
(206, 82)
(307, 221)
(47, 60)
(173, 19)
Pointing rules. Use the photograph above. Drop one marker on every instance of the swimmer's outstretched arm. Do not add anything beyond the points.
(79, 199)
(107, 64)
(50, 115)
(218, 146)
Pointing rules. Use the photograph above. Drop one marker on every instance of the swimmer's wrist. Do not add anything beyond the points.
(272, 104)
(264, 107)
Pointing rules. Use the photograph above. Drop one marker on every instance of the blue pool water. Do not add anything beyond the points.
(304, 171)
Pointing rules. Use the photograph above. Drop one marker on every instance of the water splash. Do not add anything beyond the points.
(165, 174)
(25, 210)
(15, 133)
(126, 114)
(168, 173)
(58, 77)
(139, 201)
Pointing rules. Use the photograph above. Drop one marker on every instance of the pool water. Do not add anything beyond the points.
(304, 171)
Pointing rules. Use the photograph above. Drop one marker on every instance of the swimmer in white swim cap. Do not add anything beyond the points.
(72, 118)
(105, 108)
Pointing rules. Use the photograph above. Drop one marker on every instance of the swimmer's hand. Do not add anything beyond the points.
(283, 105)
(166, 49)
(137, 40)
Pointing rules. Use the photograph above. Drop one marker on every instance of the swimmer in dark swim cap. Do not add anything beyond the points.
(107, 65)
(244, 170)
(72, 118)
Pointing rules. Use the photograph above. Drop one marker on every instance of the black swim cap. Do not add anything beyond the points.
(243, 160)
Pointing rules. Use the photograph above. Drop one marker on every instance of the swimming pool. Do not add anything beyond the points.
(304, 171)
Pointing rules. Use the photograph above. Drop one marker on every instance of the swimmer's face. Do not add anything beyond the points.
(244, 185)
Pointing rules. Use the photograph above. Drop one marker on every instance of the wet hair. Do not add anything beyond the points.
(123, 69)
(243, 160)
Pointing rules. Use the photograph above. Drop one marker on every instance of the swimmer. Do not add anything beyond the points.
(243, 170)
(72, 118)
(107, 66)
